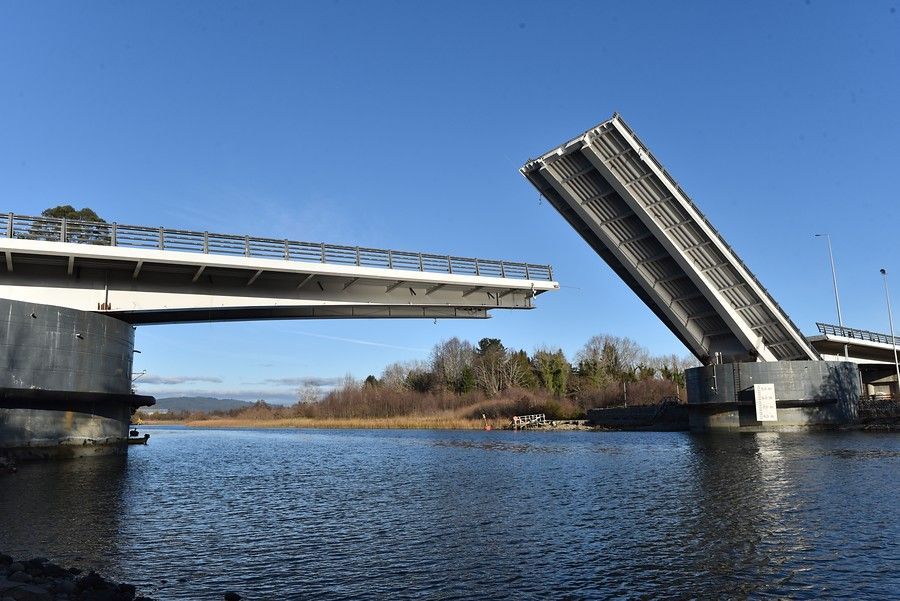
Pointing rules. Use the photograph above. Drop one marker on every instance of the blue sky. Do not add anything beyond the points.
(403, 124)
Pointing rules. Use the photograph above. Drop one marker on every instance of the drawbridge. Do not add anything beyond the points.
(620, 199)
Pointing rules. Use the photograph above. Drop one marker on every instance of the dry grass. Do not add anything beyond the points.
(390, 423)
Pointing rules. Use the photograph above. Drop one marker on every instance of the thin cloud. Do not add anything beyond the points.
(304, 381)
(172, 380)
(363, 342)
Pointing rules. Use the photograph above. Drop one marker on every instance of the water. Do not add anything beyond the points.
(302, 514)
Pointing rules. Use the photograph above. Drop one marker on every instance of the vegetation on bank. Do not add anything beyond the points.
(462, 385)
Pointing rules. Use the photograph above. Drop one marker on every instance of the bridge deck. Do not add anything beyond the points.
(158, 275)
(135, 236)
(621, 200)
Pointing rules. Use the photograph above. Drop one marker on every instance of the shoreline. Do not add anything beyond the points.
(398, 423)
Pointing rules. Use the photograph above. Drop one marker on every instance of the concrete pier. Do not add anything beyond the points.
(809, 394)
(65, 381)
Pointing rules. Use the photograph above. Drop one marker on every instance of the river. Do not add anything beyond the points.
(324, 514)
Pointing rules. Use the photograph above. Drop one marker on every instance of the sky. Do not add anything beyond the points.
(403, 124)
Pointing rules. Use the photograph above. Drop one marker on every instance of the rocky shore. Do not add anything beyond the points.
(7, 465)
(39, 579)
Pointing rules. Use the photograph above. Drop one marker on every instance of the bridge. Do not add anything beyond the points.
(615, 193)
(72, 292)
(144, 275)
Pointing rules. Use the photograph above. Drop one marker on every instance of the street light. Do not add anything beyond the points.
(837, 299)
(887, 298)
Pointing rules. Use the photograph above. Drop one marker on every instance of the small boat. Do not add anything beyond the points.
(135, 438)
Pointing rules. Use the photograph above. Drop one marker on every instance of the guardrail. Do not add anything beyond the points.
(827, 328)
(523, 421)
(136, 236)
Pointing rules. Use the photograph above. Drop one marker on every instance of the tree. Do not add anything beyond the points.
(552, 370)
(449, 360)
(606, 358)
(81, 232)
(518, 370)
(489, 366)
(70, 212)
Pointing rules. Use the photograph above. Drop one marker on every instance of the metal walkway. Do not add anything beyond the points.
(136, 236)
(621, 200)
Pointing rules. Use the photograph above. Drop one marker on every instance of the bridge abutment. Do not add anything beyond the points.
(65, 381)
(808, 394)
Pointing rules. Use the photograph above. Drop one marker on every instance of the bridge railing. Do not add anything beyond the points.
(827, 328)
(136, 236)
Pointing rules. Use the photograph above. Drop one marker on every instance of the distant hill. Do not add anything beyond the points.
(196, 403)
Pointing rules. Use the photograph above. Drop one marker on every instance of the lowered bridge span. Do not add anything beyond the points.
(144, 275)
(72, 292)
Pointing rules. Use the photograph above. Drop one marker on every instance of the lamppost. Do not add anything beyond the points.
(837, 298)
(887, 298)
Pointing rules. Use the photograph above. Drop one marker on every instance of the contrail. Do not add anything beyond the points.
(363, 342)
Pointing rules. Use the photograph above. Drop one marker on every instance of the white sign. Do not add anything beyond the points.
(765, 402)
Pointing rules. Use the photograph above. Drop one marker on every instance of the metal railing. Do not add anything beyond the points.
(523, 421)
(137, 236)
(827, 328)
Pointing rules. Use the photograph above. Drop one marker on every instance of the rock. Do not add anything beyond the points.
(232, 596)
(28, 592)
(54, 571)
(91, 581)
(39, 579)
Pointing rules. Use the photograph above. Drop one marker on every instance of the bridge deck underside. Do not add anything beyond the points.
(624, 204)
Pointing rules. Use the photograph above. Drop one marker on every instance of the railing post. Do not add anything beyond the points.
(287, 252)
(421, 263)
(323, 252)
(114, 235)
(9, 226)
(527, 274)
(206, 243)
(246, 246)
(357, 256)
(549, 273)
(62, 230)
(162, 241)
(477, 268)
(390, 259)
(449, 265)
(502, 270)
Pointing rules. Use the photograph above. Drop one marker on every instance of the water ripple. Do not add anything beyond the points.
(473, 515)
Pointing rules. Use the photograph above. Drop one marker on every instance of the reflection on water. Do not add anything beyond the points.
(473, 515)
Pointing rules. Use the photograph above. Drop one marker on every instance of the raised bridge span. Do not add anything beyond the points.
(613, 191)
(144, 275)
(626, 206)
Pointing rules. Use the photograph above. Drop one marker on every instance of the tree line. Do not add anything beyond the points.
(487, 377)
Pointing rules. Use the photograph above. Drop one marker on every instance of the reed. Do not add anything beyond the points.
(410, 422)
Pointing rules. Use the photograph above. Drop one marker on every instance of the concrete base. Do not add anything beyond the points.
(810, 394)
(65, 382)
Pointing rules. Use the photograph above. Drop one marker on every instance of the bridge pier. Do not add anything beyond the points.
(808, 394)
(65, 381)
